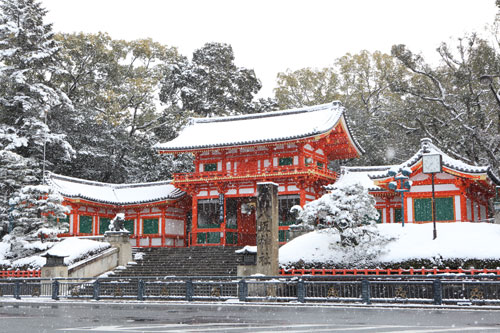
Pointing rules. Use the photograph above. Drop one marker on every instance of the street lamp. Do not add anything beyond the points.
(487, 80)
(401, 184)
(432, 163)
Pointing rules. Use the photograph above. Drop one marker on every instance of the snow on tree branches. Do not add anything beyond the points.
(348, 209)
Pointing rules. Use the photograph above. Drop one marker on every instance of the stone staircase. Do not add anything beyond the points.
(186, 261)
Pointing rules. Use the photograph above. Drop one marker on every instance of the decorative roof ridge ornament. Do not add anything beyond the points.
(425, 144)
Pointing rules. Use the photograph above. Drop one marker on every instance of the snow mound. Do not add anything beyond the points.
(414, 241)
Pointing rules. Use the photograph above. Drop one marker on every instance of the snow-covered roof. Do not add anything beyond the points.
(361, 175)
(427, 147)
(258, 128)
(116, 194)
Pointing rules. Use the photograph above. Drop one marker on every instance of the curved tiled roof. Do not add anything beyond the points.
(115, 194)
(428, 147)
(259, 128)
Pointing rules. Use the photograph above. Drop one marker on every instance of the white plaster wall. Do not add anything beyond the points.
(246, 190)
(409, 209)
(174, 227)
(458, 209)
(437, 188)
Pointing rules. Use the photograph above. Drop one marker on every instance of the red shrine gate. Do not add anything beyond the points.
(232, 154)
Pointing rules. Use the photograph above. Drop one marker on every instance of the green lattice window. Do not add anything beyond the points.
(208, 237)
(210, 166)
(380, 211)
(397, 215)
(201, 238)
(320, 165)
(283, 235)
(445, 209)
(85, 224)
(231, 237)
(150, 226)
(422, 209)
(285, 161)
(130, 226)
(104, 224)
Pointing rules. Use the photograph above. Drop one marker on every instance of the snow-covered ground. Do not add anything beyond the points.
(74, 249)
(414, 241)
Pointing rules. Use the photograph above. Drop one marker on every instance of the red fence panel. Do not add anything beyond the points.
(18, 273)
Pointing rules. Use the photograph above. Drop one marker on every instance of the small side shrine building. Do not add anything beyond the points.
(462, 191)
(215, 204)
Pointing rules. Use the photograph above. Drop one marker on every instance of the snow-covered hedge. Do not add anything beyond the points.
(457, 245)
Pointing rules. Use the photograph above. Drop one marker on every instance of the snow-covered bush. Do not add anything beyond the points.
(348, 209)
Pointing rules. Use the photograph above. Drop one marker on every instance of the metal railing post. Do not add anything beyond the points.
(140, 290)
(438, 291)
(189, 290)
(242, 290)
(365, 291)
(301, 291)
(17, 290)
(55, 290)
(97, 289)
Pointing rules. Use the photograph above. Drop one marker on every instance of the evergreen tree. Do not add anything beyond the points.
(211, 84)
(27, 62)
(37, 209)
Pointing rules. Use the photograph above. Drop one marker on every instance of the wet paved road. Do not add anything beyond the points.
(167, 317)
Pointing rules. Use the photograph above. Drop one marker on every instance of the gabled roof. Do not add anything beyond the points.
(448, 162)
(268, 127)
(115, 194)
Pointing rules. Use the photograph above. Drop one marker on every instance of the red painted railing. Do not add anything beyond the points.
(387, 271)
(255, 173)
(17, 274)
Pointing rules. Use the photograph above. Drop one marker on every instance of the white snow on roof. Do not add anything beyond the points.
(118, 194)
(427, 147)
(361, 175)
(256, 128)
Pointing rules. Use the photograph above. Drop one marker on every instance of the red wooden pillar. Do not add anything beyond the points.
(162, 227)
(463, 206)
(194, 219)
(387, 210)
(74, 215)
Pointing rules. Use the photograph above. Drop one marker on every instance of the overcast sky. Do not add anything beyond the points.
(274, 35)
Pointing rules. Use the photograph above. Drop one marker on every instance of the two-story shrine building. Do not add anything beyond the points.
(215, 204)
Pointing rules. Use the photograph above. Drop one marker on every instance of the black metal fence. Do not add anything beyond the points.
(431, 289)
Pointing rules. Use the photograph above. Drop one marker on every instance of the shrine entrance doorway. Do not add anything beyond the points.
(248, 224)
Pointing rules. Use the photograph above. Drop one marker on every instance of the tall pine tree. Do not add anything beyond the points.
(27, 62)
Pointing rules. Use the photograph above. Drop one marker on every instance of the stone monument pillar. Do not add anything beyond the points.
(267, 229)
